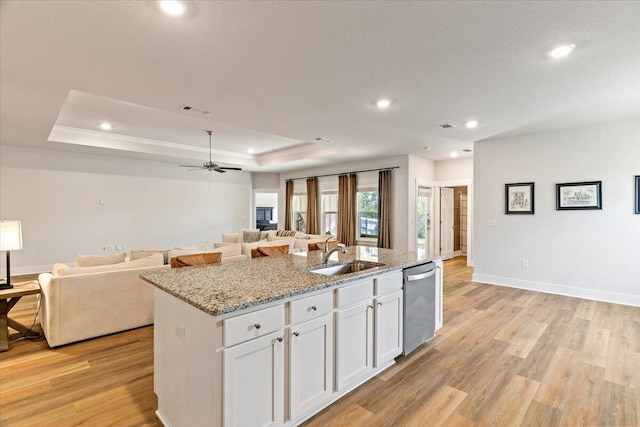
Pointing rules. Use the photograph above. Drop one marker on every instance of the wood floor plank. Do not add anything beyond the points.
(437, 410)
(617, 406)
(512, 404)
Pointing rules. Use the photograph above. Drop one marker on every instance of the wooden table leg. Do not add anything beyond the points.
(4, 325)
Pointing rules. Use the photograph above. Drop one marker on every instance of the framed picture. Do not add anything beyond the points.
(579, 195)
(638, 194)
(518, 198)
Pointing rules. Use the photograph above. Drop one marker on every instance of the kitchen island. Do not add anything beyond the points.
(270, 341)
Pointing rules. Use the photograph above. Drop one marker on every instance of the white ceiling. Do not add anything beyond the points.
(276, 75)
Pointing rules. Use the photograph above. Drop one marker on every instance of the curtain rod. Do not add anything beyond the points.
(345, 173)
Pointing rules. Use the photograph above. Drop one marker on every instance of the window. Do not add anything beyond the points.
(329, 216)
(367, 214)
(299, 212)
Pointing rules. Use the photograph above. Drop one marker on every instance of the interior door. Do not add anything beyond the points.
(446, 222)
(424, 218)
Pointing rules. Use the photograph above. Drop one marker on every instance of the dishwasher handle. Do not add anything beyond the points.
(421, 276)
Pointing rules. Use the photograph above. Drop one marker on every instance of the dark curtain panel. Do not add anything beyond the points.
(384, 209)
(287, 204)
(347, 209)
(312, 205)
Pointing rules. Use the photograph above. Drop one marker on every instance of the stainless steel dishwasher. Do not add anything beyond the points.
(419, 305)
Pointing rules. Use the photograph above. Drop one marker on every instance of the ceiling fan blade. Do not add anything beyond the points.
(232, 169)
(219, 170)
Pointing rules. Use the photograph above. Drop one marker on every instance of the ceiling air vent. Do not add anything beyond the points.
(446, 125)
(467, 150)
(323, 140)
(195, 110)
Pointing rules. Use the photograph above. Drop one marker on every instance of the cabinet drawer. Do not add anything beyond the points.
(252, 325)
(354, 293)
(311, 308)
(389, 283)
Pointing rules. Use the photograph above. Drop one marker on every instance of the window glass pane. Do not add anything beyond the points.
(299, 212)
(368, 214)
(329, 213)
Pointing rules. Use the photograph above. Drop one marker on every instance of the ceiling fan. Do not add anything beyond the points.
(210, 166)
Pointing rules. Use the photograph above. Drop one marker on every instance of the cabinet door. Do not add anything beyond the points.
(310, 364)
(354, 344)
(388, 327)
(254, 382)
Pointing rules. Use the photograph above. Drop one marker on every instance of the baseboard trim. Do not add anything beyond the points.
(550, 288)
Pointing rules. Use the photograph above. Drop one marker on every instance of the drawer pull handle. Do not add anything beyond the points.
(379, 303)
(369, 306)
(296, 333)
(314, 308)
(257, 325)
(279, 339)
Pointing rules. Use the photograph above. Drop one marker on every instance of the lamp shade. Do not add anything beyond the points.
(10, 235)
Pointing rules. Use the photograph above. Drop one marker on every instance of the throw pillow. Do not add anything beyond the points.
(251, 236)
(95, 260)
(285, 233)
(142, 253)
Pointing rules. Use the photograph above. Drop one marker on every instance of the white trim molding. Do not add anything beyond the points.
(551, 288)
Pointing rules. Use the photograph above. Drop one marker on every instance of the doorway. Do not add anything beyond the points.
(453, 221)
(266, 210)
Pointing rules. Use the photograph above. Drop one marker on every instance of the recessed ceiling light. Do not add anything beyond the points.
(561, 51)
(383, 103)
(427, 148)
(250, 150)
(173, 7)
(471, 124)
(105, 126)
(454, 154)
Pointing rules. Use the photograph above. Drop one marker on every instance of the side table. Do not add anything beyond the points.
(9, 298)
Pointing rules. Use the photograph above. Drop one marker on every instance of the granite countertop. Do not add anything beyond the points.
(225, 288)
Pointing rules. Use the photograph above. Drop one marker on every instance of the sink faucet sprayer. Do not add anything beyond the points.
(326, 253)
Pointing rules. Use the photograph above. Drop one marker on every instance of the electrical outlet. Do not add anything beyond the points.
(179, 328)
(491, 223)
(118, 247)
(110, 247)
(525, 263)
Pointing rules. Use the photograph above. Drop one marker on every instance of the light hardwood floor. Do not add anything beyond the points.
(504, 357)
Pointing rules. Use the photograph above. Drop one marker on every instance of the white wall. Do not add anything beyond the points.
(454, 169)
(147, 204)
(593, 253)
(264, 180)
(399, 198)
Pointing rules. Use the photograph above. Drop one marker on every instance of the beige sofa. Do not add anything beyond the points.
(86, 302)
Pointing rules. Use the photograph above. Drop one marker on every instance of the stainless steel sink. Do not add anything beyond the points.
(337, 269)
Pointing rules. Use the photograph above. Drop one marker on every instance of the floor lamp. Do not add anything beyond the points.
(10, 240)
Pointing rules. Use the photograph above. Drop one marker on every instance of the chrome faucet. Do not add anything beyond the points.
(326, 253)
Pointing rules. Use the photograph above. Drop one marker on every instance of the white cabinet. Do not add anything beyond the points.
(354, 343)
(369, 332)
(310, 364)
(388, 327)
(253, 383)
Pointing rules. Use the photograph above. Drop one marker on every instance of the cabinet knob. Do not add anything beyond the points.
(314, 308)
(369, 306)
(379, 303)
(296, 333)
(257, 326)
(279, 339)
